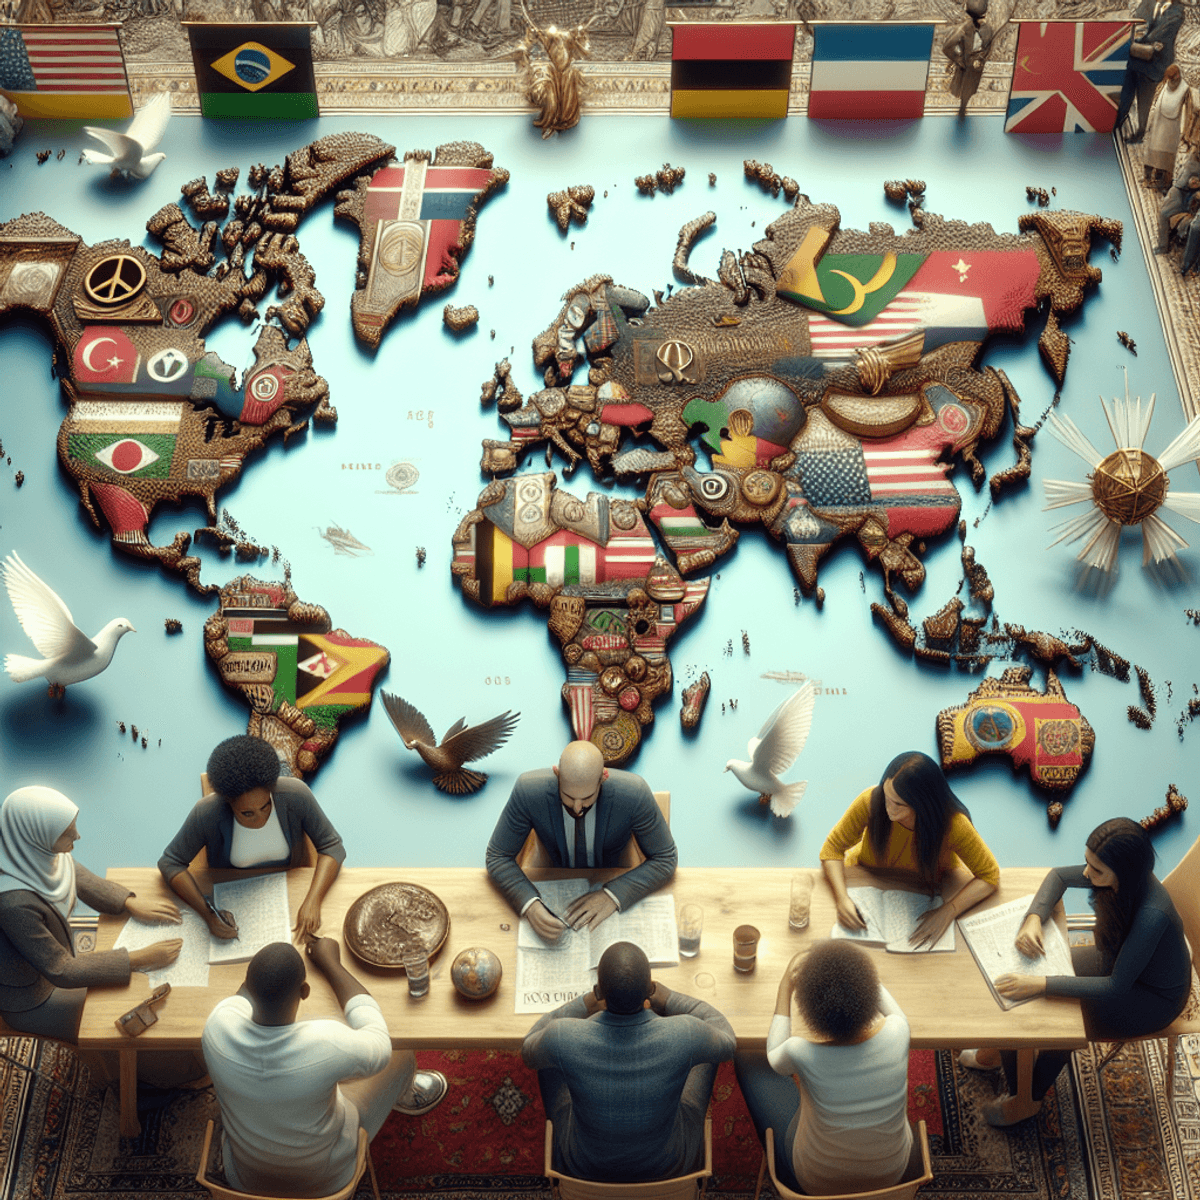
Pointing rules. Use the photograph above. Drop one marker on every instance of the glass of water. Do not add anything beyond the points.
(691, 923)
(416, 967)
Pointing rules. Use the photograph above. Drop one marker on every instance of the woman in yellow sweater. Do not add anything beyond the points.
(911, 822)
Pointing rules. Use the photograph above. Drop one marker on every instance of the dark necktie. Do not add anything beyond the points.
(581, 854)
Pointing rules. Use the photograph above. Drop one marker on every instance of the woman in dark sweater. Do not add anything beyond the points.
(253, 818)
(1132, 982)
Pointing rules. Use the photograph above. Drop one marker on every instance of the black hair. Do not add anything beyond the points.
(837, 990)
(1125, 848)
(623, 976)
(241, 763)
(919, 782)
(274, 974)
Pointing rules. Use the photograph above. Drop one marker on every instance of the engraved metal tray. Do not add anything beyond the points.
(395, 919)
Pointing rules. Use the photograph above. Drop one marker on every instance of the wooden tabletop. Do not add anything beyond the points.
(945, 998)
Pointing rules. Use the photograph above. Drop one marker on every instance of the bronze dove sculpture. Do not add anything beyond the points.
(461, 744)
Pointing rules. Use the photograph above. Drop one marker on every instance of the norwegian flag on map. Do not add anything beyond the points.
(1068, 76)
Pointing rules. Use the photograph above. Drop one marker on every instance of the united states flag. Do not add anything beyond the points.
(1068, 76)
(62, 58)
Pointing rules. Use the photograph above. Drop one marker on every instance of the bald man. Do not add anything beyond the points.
(584, 815)
(626, 1072)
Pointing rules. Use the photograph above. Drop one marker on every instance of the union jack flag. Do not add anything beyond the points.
(1068, 76)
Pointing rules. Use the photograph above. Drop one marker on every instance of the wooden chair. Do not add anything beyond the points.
(534, 854)
(906, 1189)
(221, 1191)
(683, 1187)
(1183, 886)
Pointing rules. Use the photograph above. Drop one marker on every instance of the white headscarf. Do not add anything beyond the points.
(32, 819)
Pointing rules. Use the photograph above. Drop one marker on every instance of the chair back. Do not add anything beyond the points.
(683, 1187)
(222, 1191)
(632, 855)
(904, 1190)
(1183, 886)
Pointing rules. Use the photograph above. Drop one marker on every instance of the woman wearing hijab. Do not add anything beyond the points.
(42, 982)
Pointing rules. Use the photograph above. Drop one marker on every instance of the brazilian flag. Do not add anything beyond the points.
(851, 288)
(254, 69)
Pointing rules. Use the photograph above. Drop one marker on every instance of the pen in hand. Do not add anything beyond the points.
(223, 915)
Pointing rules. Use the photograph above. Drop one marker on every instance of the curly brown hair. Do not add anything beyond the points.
(837, 990)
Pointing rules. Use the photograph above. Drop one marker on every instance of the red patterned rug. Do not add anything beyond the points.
(1114, 1135)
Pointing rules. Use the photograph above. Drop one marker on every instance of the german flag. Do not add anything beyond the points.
(254, 69)
(731, 69)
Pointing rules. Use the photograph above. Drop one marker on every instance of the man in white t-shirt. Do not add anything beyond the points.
(290, 1129)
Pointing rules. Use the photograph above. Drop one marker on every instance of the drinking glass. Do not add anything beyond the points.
(801, 900)
(691, 922)
(416, 967)
(745, 948)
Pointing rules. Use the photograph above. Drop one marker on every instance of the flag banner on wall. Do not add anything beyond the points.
(64, 71)
(1067, 76)
(869, 72)
(262, 69)
(731, 69)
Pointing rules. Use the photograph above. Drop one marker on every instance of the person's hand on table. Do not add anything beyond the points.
(308, 919)
(152, 910)
(932, 925)
(848, 915)
(1021, 987)
(545, 924)
(325, 953)
(658, 998)
(1029, 937)
(156, 955)
(223, 926)
(590, 909)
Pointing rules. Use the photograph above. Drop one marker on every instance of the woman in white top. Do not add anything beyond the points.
(847, 1129)
(253, 818)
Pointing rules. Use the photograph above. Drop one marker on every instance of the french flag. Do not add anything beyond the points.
(873, 72)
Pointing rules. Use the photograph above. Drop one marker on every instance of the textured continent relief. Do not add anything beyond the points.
(152, 413)
(830, 376)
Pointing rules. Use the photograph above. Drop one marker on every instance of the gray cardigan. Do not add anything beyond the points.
(37, 953)
(210, 825)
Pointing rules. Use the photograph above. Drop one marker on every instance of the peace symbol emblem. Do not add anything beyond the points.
(115, 280)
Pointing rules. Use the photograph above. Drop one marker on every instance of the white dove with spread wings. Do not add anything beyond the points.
(130, 152)
(774, 750)
(69, 655)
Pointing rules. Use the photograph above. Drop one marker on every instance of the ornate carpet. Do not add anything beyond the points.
(1114, 1136)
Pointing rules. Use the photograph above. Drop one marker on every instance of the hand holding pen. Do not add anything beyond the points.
(221, 922)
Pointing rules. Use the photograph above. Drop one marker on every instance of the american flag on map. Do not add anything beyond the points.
(64, 71)
(1068, 76)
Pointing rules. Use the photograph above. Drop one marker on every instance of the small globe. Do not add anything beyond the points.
(476, 972)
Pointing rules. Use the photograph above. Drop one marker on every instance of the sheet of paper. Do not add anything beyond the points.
(890, 915)
(190, 969)
(260, 907)
(650, 924)
(991, 937)
(550, 975)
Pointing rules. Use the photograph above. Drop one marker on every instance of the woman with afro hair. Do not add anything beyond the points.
(253, 817)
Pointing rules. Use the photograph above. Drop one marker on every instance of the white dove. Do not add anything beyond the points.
(773, 751)
(70, 656)
(130, 151)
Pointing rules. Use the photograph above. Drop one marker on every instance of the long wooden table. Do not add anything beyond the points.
(944, 996)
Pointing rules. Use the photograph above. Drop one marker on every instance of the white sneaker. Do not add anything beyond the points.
(970, 1058)
(429, 1089)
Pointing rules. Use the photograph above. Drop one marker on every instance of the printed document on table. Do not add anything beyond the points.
(991, 937)
(649, 923)
(891, 915)
(190, 969)
(549, 975)
(260, 907)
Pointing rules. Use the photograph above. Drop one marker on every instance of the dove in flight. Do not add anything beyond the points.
(130, 152)
(462, 743)
(773, 751)
(69, 655)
